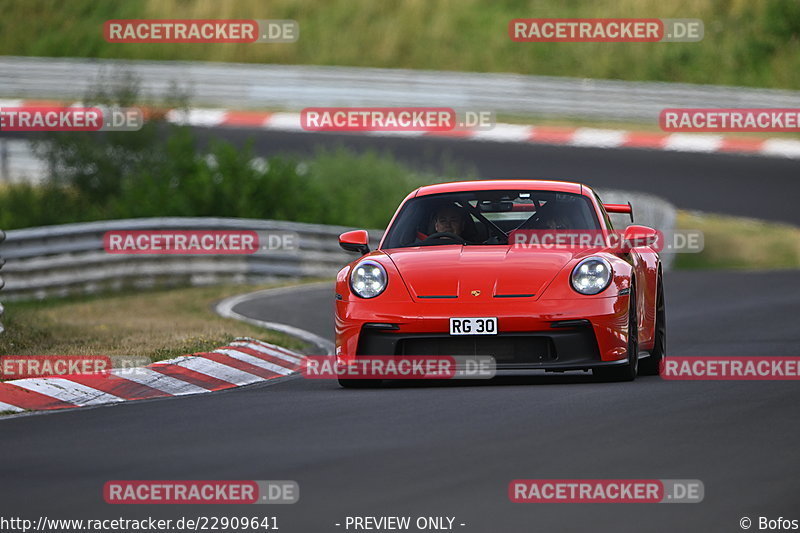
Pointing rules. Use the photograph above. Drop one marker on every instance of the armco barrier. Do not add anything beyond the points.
(648, 210)
(237, 85)
(56, 261)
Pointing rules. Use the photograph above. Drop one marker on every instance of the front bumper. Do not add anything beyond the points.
(555, 335)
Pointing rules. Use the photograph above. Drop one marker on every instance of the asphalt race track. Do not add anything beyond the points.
(739, 185)
(451, 450)
(759, 187)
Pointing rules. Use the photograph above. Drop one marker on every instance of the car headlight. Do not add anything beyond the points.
(591, 276)
(368, 279)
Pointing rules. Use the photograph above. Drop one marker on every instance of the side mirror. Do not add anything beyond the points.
(355, 241)
(636, 236)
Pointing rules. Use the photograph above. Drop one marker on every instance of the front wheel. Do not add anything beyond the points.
(628, 371)
(651, 365)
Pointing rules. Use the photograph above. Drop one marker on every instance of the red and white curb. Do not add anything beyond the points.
(243, 362)
(514, 133)
(506, 133)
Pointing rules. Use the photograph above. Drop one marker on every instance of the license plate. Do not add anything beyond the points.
(473, 326)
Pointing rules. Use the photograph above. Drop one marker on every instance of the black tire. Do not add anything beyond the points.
(626, 372)
(651, 366)
(359, 383)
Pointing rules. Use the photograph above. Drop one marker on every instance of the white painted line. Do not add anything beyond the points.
(503, 133)
(158, 381)
(197, 117)
(225, 308)
(324, 344)
(284, 121)
(269, 351)
(599, 138)
(781, 147)
(217, 370)
(255, 361)
(268, 346)
(8, 407)
(292, 122)
(686, 142)
(173, 361)
(603, 138)
(276, 348)
(67, 391)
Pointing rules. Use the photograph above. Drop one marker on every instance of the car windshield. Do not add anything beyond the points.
(487, 217)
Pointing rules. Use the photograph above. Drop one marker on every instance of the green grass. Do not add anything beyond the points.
(746, 42)
(740, 243)
(158, 324)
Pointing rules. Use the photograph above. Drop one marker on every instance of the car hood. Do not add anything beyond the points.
(447, 272)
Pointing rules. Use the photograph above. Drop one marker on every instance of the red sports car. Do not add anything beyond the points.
(450, 277)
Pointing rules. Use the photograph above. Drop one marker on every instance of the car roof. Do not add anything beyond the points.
(504, 184)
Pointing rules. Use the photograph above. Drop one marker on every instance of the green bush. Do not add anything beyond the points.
(161, 171)
(97, 180)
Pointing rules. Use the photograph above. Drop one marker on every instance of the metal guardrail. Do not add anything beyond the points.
(233, 85)
(57, 261)
(648, 210)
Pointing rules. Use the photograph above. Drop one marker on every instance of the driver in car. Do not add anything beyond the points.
(446, 224)
(449, 219)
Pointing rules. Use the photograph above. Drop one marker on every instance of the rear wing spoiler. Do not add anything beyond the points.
(625, 209)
